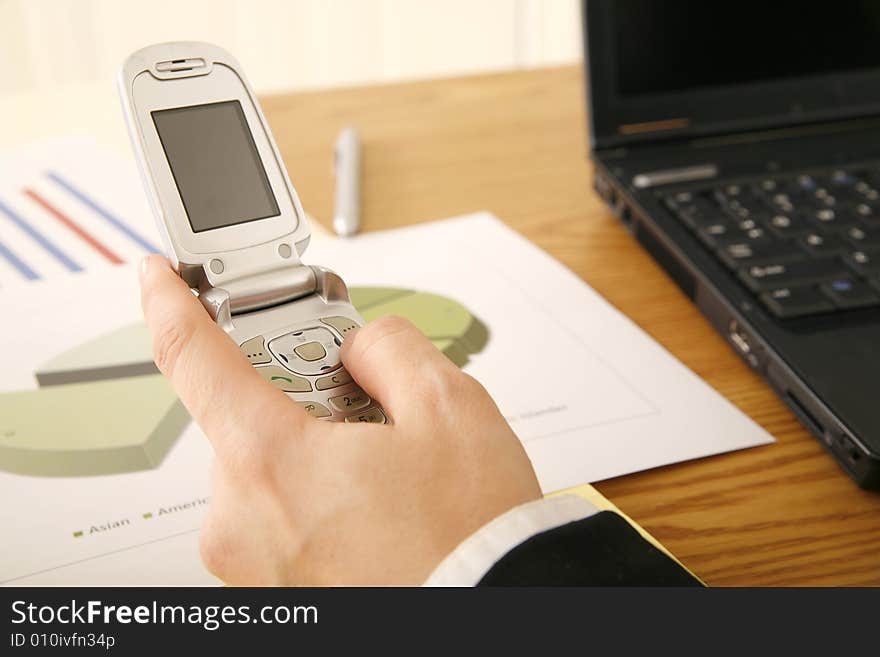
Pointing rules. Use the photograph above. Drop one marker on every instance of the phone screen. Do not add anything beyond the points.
(215, 164)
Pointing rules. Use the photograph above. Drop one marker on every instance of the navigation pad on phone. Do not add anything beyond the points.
(308, 351)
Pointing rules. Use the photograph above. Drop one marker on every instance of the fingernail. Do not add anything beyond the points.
(348, 339)
(143, 266)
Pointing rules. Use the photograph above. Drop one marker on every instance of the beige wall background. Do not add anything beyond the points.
(286, 44)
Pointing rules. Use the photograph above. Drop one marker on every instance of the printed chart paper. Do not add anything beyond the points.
(105, 480)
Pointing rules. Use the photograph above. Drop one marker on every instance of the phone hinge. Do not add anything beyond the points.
(258, 291)
(268, 289)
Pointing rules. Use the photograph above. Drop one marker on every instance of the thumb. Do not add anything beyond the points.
(397, 365)
(215, 382)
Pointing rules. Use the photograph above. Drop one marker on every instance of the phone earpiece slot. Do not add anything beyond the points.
(178, 65)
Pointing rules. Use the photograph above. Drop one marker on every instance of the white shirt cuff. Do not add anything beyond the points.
(473, 558)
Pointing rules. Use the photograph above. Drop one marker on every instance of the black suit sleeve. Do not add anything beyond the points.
(601, 550)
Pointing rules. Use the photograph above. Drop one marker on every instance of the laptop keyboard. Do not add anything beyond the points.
(804, 245)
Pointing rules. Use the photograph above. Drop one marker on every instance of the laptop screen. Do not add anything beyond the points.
(692, 66)
(667, 46)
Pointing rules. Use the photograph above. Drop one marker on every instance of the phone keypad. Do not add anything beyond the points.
(373, 416)
(307, 360)
(342, 324)
(350, 401)
(315, 409)
(335, 380)
(309, 351)
(255, 351)
(281, 378)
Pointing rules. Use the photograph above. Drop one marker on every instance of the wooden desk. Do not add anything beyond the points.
(515, 144)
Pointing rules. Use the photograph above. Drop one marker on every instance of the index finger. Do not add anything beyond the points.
(213, 379)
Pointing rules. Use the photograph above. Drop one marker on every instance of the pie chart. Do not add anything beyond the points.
(103, 408)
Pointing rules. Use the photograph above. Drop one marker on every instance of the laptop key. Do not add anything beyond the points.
(865, 191)
(677, 202)
(819, 244)
(865, 262)
(744, 210)
(682, 198)
(847, 292)
(787, 225)
(864, 210)
(804, 184)
(767, 186)
(788, 302)
(713, 234)
(870, 182)
(783, 203)
(699, 213)
(696, 220)
(770, 276)
(842, 178)
(863, 236)
(747, 231)
(744, 254)
(741, 206)
(689, 201)
(726, 194)
(821, 198)
(832, 219)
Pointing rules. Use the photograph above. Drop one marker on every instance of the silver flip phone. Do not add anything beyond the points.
(233, 225)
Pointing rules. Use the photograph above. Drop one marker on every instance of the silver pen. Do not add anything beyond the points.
(347, 166)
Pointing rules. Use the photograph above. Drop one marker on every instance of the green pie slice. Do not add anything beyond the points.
(86, 429)
(121, 353)
(448, 324)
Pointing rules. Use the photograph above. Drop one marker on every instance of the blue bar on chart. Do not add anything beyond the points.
(15, 253)
(7, 254)
(106, 214)
(38, 237)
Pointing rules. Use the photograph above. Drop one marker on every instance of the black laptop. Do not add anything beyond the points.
(739, 142)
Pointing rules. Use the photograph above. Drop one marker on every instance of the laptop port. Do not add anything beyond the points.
(743, 343)
(621, 209)
(611, 198)
(848, 448)
(603, 188)
(739, 338)
(804, 415)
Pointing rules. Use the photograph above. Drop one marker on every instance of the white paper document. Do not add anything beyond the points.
(106, 481)
(590, 395)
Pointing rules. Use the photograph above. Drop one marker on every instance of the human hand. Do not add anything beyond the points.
(300, 501)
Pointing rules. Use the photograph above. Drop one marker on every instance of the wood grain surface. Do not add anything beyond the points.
(515, 144)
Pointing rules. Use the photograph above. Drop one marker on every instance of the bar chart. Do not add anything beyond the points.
(68, 207)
